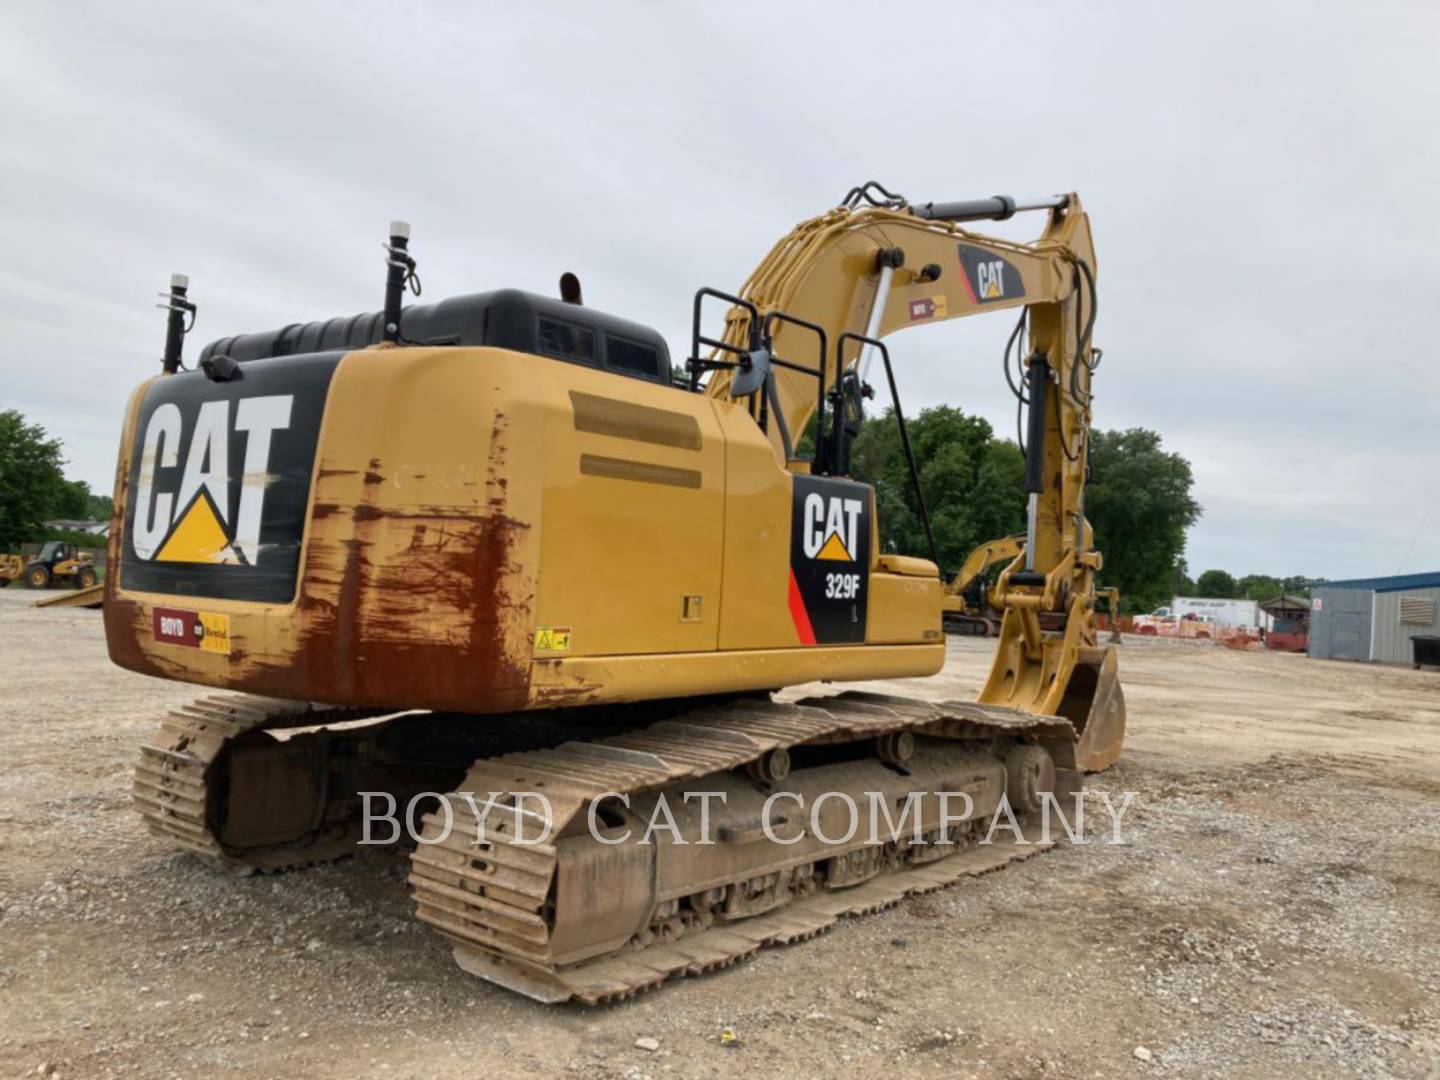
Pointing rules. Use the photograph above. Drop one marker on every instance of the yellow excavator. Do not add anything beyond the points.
(492, 547)
(966, 607)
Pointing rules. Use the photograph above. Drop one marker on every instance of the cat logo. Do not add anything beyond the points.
(992, 279)
(831, 525)
(186, 519)
(988, 277)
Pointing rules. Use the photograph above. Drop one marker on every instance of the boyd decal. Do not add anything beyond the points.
(220, 480)
(193, 629)
(987, 276)
(829, 559)
(927, 307)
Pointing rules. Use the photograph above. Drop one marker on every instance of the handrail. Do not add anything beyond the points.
(879, 346)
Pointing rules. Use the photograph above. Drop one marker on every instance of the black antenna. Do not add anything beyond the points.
(401, 273)
(178, 323)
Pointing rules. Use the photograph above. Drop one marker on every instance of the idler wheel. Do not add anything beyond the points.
(895, 747)
(771, 767)
(1029, 773)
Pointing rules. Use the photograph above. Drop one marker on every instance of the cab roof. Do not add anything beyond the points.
(505, 319)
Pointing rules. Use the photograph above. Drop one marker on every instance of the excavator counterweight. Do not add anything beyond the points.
(492, 546)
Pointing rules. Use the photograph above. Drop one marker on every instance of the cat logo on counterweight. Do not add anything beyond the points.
(189, 523)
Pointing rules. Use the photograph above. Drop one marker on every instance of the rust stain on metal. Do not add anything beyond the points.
(418, 605)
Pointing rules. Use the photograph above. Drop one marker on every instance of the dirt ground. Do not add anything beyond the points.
(1273, 913)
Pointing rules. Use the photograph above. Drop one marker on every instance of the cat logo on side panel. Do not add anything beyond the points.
(830, 527)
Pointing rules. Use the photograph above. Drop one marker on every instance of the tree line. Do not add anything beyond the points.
(1220, 585)
(34, 488)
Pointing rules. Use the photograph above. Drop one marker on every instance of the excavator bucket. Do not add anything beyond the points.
(1095, 703)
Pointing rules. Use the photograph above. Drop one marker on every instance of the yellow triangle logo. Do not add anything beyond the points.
(992, 290)
(198, 537)
(834, 549)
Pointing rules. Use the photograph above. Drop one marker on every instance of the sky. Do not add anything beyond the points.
(1259, 176)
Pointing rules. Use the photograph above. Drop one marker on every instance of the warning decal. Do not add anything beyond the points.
(552, 639)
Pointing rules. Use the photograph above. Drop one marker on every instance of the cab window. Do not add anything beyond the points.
(631, 358)
(566, 341)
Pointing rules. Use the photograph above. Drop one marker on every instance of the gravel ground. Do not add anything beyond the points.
(1273, 913)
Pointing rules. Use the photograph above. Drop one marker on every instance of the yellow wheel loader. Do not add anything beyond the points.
(489, 547)
(62, 564)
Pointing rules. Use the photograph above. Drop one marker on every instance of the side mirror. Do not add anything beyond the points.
(752, 374)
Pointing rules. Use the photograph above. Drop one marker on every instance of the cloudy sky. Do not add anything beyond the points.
(1261, 178)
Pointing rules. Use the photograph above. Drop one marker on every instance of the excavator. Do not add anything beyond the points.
(487, 566)
(966, 606)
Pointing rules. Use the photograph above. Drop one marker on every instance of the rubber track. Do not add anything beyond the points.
(491, 903)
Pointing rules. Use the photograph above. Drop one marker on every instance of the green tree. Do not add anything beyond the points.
(72, 501)
(1184, 583)
(1258, 587)
(1140, 505)
(32, 480)
(1298, 585)
(973, 483)
(1218, 585)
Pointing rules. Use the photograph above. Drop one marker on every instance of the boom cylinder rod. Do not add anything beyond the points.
(995, 208)
(1037, 383)
(888, 260)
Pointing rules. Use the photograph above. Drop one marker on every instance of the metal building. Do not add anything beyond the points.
(1373, 618)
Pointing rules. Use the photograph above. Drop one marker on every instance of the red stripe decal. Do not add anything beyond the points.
(965, 277)
(798, 614)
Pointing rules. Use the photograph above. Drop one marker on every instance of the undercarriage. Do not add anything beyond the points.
(592, 854)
